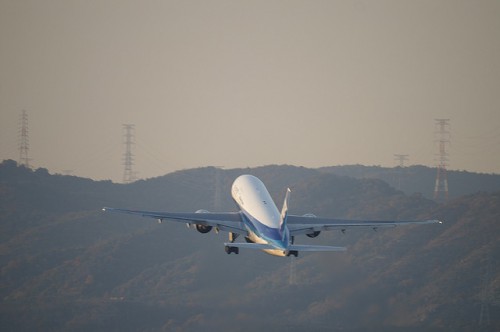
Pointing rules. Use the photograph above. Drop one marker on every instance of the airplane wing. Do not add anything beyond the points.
(305, 225)
(228, 222)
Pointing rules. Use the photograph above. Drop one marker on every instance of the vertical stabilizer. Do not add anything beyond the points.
(284, 210)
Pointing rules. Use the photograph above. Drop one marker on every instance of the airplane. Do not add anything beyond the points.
(262, 225)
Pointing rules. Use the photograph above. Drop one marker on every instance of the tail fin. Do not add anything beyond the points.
(284, 210)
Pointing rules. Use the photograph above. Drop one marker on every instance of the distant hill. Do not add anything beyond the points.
(66, 265)
(421, 179)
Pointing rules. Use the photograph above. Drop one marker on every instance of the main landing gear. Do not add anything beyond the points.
(229, 249)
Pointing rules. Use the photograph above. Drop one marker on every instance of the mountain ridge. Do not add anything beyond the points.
(73, 267)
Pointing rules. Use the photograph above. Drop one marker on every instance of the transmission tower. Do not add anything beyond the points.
(401, 158)
(293, 274)
(24, 140)
(128, 157)
(488, 294)
(443, 139)
(218, 188)
(485, 294)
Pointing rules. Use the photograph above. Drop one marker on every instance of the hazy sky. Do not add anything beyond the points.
(249, 83)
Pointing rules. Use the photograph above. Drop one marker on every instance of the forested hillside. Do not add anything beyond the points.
(66, 265)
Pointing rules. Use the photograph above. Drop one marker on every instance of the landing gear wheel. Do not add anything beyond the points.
(230, 250)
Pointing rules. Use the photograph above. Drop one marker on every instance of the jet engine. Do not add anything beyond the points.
(203, 228)
(314, 233)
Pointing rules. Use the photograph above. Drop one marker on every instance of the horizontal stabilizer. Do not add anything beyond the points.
(257, 246)
(296, 247)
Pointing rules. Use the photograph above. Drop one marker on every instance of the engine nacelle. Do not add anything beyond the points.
(203, 228)
(314, 233)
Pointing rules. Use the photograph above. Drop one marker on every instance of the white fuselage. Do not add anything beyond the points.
(260, 215)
